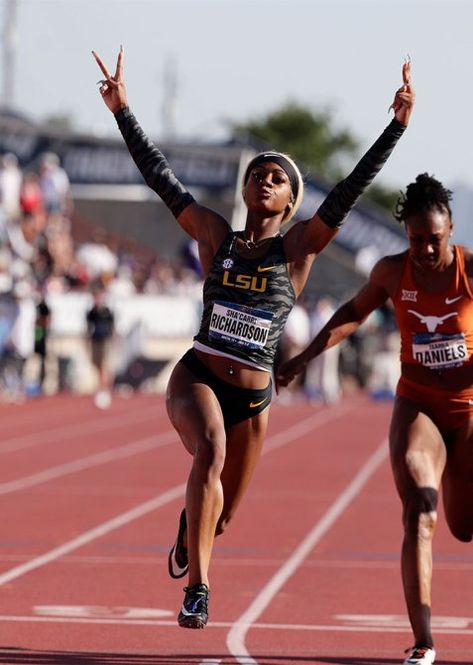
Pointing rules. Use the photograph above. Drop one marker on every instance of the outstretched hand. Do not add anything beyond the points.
(287, 371)
(405, 97)
(112, 88)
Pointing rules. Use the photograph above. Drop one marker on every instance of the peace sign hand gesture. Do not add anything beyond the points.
(112, 88)
(405, 97)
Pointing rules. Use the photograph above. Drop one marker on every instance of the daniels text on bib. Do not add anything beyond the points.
(439, 351)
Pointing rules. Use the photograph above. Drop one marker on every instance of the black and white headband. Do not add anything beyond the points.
(281, 161)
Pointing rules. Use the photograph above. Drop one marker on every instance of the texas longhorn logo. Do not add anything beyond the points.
(432, 322)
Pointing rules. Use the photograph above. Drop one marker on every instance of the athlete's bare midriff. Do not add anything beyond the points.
(235, 372)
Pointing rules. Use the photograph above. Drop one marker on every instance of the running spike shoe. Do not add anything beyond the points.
(178, 562)
(420, 656)
(194, 610)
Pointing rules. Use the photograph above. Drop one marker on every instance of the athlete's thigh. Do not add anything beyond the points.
(458, 481)
(244, 443)
(417, 449)
(193, 409)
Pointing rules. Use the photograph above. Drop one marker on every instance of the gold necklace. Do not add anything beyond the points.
(251, 244)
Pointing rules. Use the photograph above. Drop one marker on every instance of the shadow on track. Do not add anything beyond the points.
(16, 656)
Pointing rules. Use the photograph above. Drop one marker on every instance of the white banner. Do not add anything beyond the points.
(158, 315)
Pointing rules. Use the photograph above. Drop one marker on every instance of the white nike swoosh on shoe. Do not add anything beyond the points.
(186, 613)
(176, 568)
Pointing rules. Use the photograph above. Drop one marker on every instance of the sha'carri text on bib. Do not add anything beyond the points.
(240, 326)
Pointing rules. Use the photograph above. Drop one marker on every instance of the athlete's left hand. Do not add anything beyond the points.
(404, 98)
(287, 371)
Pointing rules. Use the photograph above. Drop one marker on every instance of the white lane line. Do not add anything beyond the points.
(144, 445)
(227, 624)
(290, 434)
(122, 452)
(92, 534)
(237, 634)
(305, 426)
(153, 558)
(69, 431)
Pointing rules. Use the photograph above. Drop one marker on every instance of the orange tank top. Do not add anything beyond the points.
(436, 328)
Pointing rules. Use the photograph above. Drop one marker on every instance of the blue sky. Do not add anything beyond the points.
(239, 59)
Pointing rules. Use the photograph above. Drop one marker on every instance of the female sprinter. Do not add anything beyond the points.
(431, 434)
(219, 393)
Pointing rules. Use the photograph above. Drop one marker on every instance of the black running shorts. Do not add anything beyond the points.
(237, 404)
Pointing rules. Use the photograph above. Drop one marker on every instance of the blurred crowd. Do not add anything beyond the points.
(40, 255)
(367, 360)
(37, 245)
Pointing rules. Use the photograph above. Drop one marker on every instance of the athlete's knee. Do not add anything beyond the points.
(420, 511)
(210, 452)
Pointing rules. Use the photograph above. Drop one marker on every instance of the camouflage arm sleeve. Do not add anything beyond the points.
(341, 199)
(152, 164)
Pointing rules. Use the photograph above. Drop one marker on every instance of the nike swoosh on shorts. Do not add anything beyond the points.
(253, 405)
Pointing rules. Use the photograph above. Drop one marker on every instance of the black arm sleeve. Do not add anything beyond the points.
(152, 164)
(341, 199)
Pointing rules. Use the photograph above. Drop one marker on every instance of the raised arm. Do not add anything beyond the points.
(317, 232)
(202, 224)
(112, 88)
(344, 322)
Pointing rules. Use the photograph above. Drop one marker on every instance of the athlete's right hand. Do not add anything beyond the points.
(112, 88)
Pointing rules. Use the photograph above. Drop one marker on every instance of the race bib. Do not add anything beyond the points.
(239, 325)
(439, 351)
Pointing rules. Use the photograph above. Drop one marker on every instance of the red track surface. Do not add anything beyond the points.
(307, 573)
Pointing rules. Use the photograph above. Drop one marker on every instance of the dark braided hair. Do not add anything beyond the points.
(425, 194)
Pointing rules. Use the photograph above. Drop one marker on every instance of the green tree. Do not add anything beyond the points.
(384, 197)
(311, 139)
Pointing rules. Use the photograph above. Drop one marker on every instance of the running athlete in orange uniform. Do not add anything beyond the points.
(431, 434)
(220, 391)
